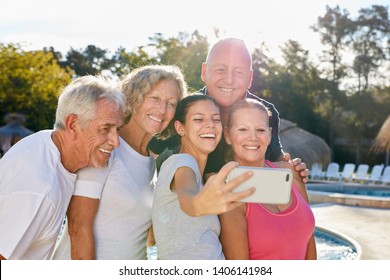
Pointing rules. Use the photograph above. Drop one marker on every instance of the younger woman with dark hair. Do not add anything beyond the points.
(184, 213)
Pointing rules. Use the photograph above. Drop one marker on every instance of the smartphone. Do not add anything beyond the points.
(273, 185)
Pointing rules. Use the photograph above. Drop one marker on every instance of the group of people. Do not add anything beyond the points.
(98, 168)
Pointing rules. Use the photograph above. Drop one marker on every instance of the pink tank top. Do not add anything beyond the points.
(283, 235)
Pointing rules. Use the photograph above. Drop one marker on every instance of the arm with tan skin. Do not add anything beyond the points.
(311, 251)
(234, 234)
(81, 215)
(215, 197)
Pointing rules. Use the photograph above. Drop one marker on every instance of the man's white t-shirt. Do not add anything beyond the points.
(35, 190)
(125, 190)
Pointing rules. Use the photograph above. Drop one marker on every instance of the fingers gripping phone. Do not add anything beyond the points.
(273, 185)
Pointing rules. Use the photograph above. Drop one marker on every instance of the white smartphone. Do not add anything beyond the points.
(273, 185)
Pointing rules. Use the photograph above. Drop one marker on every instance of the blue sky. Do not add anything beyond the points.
(110, 24)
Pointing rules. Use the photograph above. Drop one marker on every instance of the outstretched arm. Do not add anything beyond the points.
(216, 196)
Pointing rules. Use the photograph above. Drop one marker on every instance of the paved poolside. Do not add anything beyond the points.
(370, 227)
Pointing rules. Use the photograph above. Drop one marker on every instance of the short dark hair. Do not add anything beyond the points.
(184, 105)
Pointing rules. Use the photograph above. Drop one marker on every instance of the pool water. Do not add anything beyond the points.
(369, 192)
(329, 247)
(366, 190)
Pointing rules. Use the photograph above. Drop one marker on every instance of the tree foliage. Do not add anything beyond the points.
(365, 38)
(90, 61)
(124, 62)
(293, 87)
(334, 29)
(187, 51)
(29, 84)
(371, 44)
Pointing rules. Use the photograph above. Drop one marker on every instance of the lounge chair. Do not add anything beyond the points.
(361, 173)
(385, 178)
(346, 174)
(332, 171)
(316, 171)
(376, 174)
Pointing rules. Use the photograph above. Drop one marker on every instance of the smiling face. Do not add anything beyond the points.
(100, 136)
(158, 107)
(202, 129)
(249, 136)
(227, 72)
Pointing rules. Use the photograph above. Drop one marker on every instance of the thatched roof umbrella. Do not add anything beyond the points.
(303, 144)
(382, 140)
(14, 126)
(12, 131)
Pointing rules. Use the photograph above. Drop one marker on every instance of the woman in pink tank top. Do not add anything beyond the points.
(264, 231)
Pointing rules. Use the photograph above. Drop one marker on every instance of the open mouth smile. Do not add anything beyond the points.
(208, 135)
(251, 147)
(155, 118)
(227, 90)
(105, 151)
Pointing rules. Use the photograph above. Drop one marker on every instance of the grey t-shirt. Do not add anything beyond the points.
(179, 236)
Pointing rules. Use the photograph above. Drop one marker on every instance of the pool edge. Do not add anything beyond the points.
(352, 242)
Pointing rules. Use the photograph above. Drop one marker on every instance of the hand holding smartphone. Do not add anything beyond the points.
(273, 185)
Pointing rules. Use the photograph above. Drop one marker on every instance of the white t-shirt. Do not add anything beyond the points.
(179, 236)
(125, 210)
(35, 190)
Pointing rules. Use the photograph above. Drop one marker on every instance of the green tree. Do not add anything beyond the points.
(371, 42)
(29, 84)
(123, 62)
(187, 51)
(334, 29)
(262, 66)
(304, 85)
(292, 86)
(90, 61)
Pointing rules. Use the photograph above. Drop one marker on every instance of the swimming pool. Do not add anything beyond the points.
(349, 194)
(330, 246)
(355, 189)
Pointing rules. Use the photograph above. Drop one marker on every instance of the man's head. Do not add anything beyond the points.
(89, 113)
(227, 71)
(80, 98)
